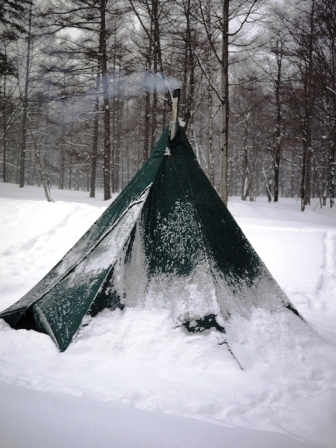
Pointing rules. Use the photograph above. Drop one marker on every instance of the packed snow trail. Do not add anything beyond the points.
(35, 419)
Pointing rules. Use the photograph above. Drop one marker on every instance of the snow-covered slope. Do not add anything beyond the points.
(131, 379)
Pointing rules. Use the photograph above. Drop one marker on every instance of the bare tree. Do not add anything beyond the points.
(7, 72)
(325, 70)
(301, 28)
(278, 51)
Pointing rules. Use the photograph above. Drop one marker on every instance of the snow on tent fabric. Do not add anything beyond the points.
(167, 241)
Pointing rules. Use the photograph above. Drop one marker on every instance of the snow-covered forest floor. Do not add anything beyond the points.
(132, 380)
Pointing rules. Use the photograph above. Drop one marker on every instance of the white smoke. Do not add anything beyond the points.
(136, 84)
(121, 85)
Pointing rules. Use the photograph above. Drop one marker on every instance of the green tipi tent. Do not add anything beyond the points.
(167, 241)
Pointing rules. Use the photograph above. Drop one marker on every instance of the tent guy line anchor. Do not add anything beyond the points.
(233, 355)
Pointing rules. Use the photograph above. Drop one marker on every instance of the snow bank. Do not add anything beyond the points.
(139, 359)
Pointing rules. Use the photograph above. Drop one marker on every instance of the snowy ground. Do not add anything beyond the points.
(131, 380)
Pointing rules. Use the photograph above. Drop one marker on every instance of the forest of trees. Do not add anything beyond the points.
(83, 92)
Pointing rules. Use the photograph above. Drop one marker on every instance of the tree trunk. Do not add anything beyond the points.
(106, 103)
(189, 68)
(146, 128)
(157, 59)
(224, 104)
(95, 142)
(277, 131)
(309, 157)
(44, 178)
(117, 161)
(211, 168)
(62, 161)
(25, 104)
(246, 174)
(116, 119)
(332, 170)
(309, 102)
(4, 167)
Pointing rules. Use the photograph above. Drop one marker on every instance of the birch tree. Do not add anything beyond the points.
(225, 13)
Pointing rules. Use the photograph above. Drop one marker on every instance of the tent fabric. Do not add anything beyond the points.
(166, 241)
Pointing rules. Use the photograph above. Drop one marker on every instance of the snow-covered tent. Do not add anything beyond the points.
(167, 241)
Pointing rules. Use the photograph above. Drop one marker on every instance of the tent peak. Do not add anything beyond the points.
(174, 98)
